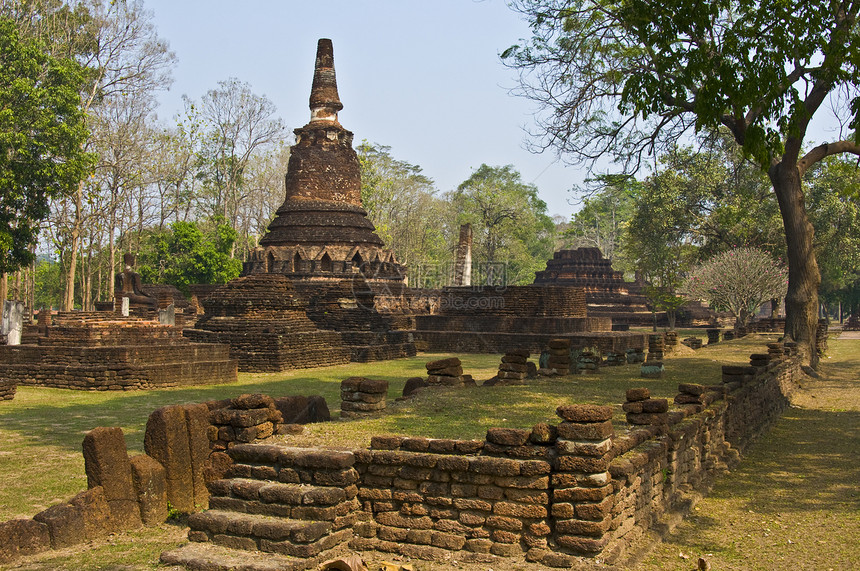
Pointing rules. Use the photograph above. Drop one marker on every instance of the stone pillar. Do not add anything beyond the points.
(559, 356)
(514, 365)
(582, 488)
(107, 465)
(445, 372)
(463, 267)
(13, 321)
(166, 440)
(713, 336)
(125, 306)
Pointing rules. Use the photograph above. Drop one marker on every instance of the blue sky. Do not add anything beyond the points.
(422, 77)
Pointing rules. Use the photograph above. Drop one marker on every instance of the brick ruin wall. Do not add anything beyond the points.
(114, 354)
(484, 320)
(551, 493)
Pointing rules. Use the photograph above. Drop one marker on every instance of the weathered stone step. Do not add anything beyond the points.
(284, 464)
(252, 532)
(210, 557)
(248, 531)
(296, 501)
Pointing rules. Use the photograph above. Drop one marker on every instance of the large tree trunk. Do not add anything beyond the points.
(801, 302)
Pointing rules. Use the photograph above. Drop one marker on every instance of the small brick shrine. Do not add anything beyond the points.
(263, 320)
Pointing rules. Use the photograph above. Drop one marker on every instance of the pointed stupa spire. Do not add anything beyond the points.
(325, 102)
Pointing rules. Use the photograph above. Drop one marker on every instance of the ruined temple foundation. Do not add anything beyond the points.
(490, 320)
(99, 351)
(607, 294)
(263, 321)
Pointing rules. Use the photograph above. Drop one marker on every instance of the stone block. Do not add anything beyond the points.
(413, 384)
(166, 440)
(151, 485)
(655, 405)
(65, 525)
(585, 431)
(22, 537)
(107, 465)
(543, 433)
(691, 388)
(508, 436)
(251, 401)
(197, 420)
(95, 512)
(443, 363)
(637, 394)
(584, 413)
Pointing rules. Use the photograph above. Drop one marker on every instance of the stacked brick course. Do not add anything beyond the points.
(362, 397)
(431, 497)
(514, 366)
(8, 388)
(445, 372)
(559, 355)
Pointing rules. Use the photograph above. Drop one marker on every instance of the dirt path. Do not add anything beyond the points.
(794, 501)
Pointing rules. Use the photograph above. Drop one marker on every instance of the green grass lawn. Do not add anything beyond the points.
(42, 430)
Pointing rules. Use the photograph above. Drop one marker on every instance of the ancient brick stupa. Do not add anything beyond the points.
(321, 232)
(321, 257)
(606, 292)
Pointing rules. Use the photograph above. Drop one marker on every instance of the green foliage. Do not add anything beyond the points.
(661, 240)
(49, 284)
(189, 253)
(509, 221)
(41, 132)
(402, 204)
(834, 197)
(602, 220)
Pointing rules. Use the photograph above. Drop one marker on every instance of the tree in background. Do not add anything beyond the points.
(402, 203)
(238, 124)
(833, 191)
(602, 220)
(660, 241)
(627, 79)
(189, 253)
(738, 281)
(509, 221)
(42, 129)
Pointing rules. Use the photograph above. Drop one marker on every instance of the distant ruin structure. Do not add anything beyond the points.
(608, 294)
(329, 272)
(321, 232)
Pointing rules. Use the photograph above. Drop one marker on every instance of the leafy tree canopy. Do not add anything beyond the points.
(189, 253)
(509, 221)
(41, 132)
(623, 79)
